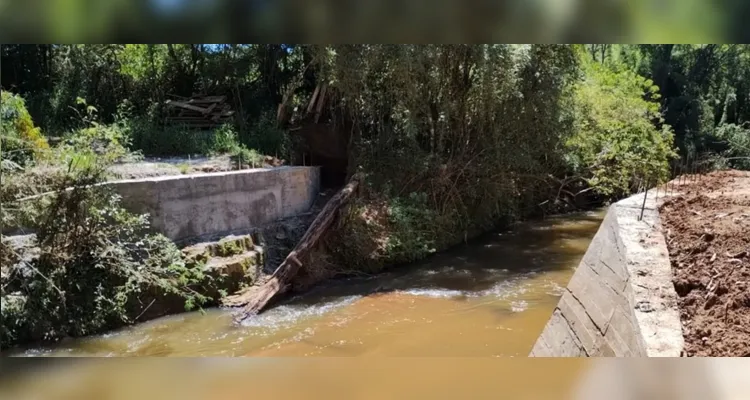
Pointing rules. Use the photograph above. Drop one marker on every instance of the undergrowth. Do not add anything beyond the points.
(20, 140)
(455, 140)
(91, 265)
(95, 261)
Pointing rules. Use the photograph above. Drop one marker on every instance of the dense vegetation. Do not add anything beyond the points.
(703, 89)
(90, 263)
(452, 140)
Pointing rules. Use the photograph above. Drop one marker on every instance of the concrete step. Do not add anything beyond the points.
(226, 247)
(229, 264)
(241, 267)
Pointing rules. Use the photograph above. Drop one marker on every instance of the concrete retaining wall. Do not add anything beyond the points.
(192, 206)
(621, 300)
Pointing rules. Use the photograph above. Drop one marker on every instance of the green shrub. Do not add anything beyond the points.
(224, 140)
(615, 143)
(413, 229)
(737, 139)
(13, 321)
(110, 141)
(267, 138)
(96, 260)
(379, 231)
(20, 140)
(169, 141)
(244, 157)
(151, 139)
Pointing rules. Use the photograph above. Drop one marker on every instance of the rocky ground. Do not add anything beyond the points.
(708, 236)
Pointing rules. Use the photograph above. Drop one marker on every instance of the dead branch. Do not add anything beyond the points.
(255, 300)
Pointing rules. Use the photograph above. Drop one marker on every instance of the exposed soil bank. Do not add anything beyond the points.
(708, 236)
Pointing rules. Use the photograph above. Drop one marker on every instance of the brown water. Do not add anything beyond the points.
(488, 298)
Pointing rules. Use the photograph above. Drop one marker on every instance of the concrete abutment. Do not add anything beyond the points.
(620, 301)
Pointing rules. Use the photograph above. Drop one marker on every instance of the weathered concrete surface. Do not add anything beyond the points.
(228, 264)
(191, 206)
(621, 300)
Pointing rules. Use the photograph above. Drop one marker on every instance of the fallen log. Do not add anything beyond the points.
(255, 300)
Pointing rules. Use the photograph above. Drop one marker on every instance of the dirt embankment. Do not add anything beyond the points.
(708, 236)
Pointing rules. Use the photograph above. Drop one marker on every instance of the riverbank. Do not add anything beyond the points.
(620, 302)
(663, 277)
(219, 264)
(708, 237)
(489, 297)
(227, 264)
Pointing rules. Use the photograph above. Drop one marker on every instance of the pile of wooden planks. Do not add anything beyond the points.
(199, 111)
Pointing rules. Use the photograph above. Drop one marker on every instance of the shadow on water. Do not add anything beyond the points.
(473, 268)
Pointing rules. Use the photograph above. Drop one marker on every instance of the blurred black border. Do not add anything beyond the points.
(14, 367)
(332, 21)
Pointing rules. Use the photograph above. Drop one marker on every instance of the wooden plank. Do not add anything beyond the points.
(204, 103)
(180, 104)
(209, 99)
(312, 100)
(210, 108)
(194, 116)
(197, 125)
(178, 97)
(321, 101)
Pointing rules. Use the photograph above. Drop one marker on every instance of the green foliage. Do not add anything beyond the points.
(453, 138)
(153, 140)
(109, 141)
(616, 143)
(245, 157)
(379, 231)
(96, 261)
(223, 140)
(702, 87)
(267, 138)
(142, 62)
(737, 139)
(254, 77)
(172, 141)
(412, 226)
(20, 140)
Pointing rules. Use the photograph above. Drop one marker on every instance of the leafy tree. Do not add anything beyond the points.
(20, 139)
(620, 138)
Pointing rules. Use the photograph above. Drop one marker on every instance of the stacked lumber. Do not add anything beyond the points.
(199, 111)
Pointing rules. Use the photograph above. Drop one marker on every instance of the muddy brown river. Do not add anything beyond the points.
(488, 298)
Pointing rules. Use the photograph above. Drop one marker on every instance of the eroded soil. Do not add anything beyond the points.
(708, 236)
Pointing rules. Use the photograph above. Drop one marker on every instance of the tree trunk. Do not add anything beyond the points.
(255, 300)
